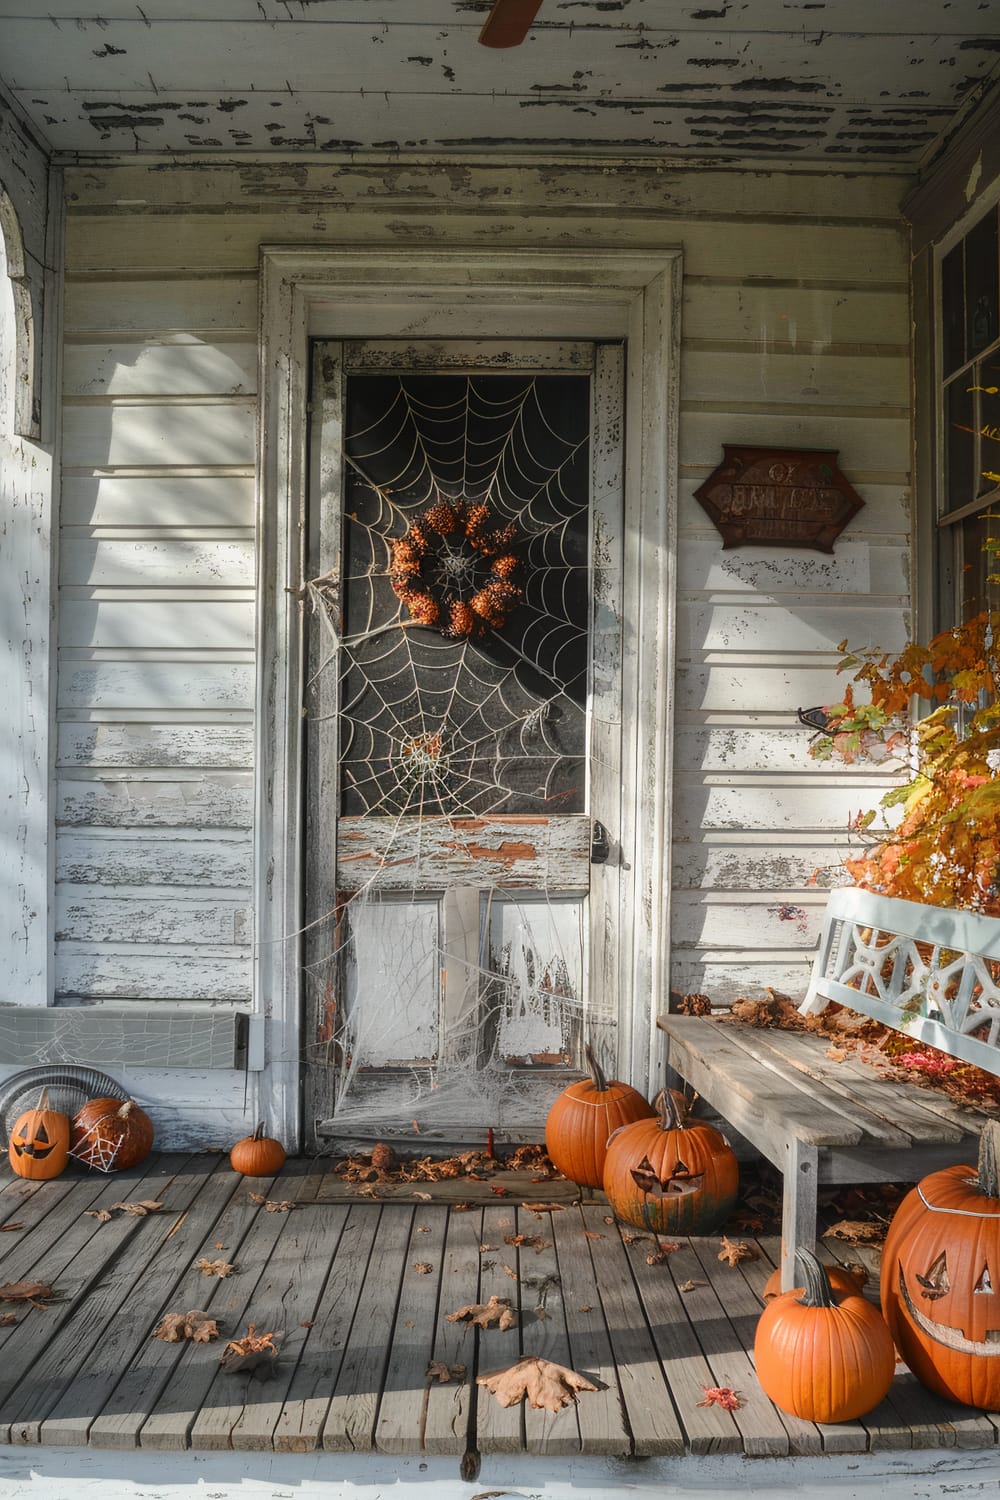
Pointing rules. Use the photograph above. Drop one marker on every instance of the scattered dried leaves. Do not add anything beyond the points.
(195, 1325)
(482, 1314)
(858, 1231)
(443, 1373)
(547, 1385)
(721, 1395)
(215, 1267)
(137, 1210)
(535, 1241)
(422, 1267)
(272, 1206)
(254, 1352)
(733, 1251)
(35, 1293)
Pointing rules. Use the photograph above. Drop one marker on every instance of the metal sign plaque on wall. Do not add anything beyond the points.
(794, 496)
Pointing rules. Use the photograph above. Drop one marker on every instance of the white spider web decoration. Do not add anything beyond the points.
(445, 714)
(96, 1150)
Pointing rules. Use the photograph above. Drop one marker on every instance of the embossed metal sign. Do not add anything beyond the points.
(792, 496)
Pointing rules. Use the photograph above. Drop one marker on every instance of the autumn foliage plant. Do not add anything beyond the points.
(944, 849)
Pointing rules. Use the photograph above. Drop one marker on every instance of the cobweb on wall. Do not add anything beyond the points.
(451, 670)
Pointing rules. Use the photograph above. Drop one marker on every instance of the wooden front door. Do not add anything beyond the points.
(463, 733)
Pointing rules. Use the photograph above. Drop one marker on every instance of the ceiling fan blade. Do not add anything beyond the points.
(509, 22)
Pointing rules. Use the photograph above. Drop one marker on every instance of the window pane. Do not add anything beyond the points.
(989, 423)
(960, 444)
(981, 284)
(953, 310)
(980, 563)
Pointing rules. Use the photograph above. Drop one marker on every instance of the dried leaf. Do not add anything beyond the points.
(423, 1267)
(733, 1251)
(481, 1314)
(667, 1247)
(270, 1205)
(37, 1293)
(484, 1249)
(8, 1319)
(592, 1234)
(537, 1243)
(103, 1214)
(423, 1229)
(199, 1327)
(609, 1218)
(423, 1197)
(495, 1187)
(460, 1208)
(509, 1271)
(215, 1267)
(9, 1228)
(689, 1286)
(587, 1307)
(255, 1352)
(443, 1373)
(721, 1395)
(858, 1231)
(139, 1210)
(547, 1385)
(544, 1208)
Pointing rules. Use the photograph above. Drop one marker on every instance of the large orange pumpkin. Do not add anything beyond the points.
(39, 1142)
(671, 1175)
(823, 1355)
(583, 1117)
(941, 1279)
(110, 1135)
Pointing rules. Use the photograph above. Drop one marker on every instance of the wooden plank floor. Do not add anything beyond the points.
(358, 1291)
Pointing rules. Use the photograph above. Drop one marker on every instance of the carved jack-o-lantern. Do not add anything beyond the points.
(941, 1279)
(671, 1175)
(39, 1142)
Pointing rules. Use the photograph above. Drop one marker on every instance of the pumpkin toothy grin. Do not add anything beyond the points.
(942, 1334)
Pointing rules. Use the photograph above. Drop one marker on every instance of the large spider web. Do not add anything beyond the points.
(458, 637)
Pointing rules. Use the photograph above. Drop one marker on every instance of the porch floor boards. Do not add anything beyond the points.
(339, 1278)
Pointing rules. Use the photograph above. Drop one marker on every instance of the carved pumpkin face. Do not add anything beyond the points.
(941, 1286)
(671, 1176)
(39, 1142)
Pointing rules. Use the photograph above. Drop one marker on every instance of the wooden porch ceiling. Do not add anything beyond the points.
(360, 1322)
(818, 82)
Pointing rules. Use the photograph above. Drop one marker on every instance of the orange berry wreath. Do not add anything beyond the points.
(451, 570)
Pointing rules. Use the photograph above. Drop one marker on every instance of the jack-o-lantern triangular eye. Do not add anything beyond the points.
(41, 1134)
(935, 1283)
(984, 1284)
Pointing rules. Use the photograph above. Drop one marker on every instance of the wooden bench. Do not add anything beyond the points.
(929, 973)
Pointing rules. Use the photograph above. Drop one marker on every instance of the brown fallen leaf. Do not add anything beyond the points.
(423, 1197)
(103, 1214)
(544, 1208)
(9, 1228)
(215, 1267)
(195, 1325)
(481, 1314)
(720, 1395)
(733, 1251)
(270, 1205)
(8, 1319)
(858, 1232)
(138, 1210)
(36, 1293)
(460, 1208)
(609, 1218)
(422, 1267)
(668, 1246)
(509, 1271)
(255, 1351)
(547, 1385)
(689, 1286)
(484, 1248)
(587, 1307)
(537, 1243)
(423, 1229)
(501, 1192)
(443, 1373)
(592, 1234)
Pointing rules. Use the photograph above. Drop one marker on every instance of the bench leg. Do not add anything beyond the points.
(798, 1207)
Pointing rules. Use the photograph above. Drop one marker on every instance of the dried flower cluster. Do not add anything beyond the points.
(453, 569)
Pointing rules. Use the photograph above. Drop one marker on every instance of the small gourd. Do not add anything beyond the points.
(39, 1142)
(257, 1155)
(583, 1117)
(823, 1355)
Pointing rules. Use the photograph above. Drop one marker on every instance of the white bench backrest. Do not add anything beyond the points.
(927, 971)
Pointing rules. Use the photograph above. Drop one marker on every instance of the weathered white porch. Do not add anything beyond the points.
(338, 1278)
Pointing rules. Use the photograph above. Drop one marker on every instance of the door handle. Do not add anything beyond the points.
(600, 844)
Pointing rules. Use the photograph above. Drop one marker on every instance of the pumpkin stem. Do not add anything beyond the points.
(126, 1109)
(669, 1111)
(597, 1074)
(818, 1291)
(43, 1099)
(258, 1133)
(989, 1159)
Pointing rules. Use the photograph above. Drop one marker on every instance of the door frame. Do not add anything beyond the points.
(435, 292)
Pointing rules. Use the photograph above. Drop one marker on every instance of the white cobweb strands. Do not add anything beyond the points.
(459, 646)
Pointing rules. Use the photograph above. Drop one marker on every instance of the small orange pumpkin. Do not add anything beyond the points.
(822, 1355)
(39, 1142)
(583, 1117)
(109, 1134)
(257, 1155)
(671, 1175)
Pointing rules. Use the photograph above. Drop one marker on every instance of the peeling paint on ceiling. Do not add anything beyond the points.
(802, 80)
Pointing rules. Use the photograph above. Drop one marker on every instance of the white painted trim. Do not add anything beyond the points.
(434, 293)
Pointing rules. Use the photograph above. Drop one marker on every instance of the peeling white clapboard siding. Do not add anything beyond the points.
(769, 864)
(134, 971)
(216, 799)
(120, 859)
(162, 685)
(208, 500)
(748, 919)
(83, 915)
(144, 432)
(181, 368)
(224, 746)
(733, 623)
(160, 308)
(814, 320)
(775, 804)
